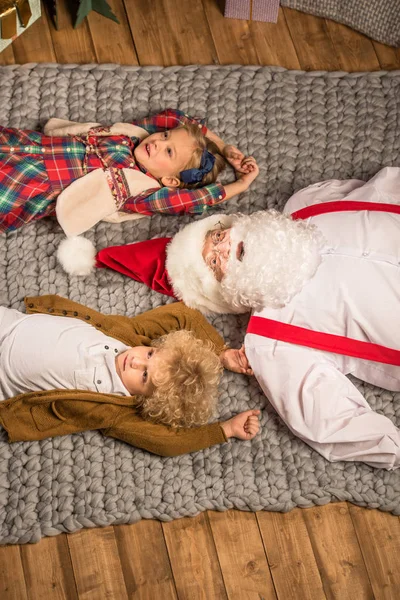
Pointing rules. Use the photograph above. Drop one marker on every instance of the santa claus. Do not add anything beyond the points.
(323, 281)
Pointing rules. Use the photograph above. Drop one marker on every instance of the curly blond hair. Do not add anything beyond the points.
(186, 381)
(202, 143)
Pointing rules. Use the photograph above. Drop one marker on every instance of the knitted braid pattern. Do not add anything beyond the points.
(302, 128)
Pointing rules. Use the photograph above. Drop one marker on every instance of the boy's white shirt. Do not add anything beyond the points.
(45, 352)
(355, 293)
(88, 199)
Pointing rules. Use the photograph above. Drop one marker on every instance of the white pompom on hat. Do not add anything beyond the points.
(77, 255)
(192, 280)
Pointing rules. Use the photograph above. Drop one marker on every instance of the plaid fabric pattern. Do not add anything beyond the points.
(25, 190)
(35, 168)
(174, 201)
(169, 119)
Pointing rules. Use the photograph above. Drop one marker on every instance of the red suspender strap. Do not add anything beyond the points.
(322, 341)
(326, 341)
(343, 206)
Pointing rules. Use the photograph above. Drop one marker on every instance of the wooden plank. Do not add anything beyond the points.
(193, 558)
(312, 42)
(354, 50)
(7, 56)
(379, 538)
(170, 32)
(97, 568)
(337, 552)
(35, 44)
(48, 569)
(71, 45)
(234, 42)
(241, 555)
(113, 43)
(290, 556)
(12, 581)
(389, 57)
(144, 560)
(274, 44)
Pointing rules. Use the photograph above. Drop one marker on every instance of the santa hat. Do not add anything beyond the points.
(143, 261)
(176, 267)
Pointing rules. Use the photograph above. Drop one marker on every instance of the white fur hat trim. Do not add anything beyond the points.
(192, 281)
(77, 255)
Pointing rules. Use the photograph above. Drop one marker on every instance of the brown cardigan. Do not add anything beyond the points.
(39, 415)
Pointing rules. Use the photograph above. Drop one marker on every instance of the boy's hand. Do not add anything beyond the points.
(234, 157)
(236, 361)
(243, 426)
(248, 173)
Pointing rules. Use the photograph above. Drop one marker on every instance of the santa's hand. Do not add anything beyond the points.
(243, 426)
(248, 172)
(234, 157)
(236, 361)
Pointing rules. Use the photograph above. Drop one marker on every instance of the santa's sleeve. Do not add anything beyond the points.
(383, 187)
(321, 406)
(324, 191)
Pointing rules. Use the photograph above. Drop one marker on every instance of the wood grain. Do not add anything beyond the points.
(71, 45)
(355, 52)
(241, 555)
(389, 57)
(290, 555)
(274, 44)
(112, 43)
(309, 33)
(48, 569)
(378, 534)
(194, 560)
(96, 565)
(12, 578)
(7, 55)
(35, 44)
(337, 552)
(144, 560)
(171, 32)
(233, 40)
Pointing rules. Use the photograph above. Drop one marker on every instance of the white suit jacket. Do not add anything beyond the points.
(355, 293)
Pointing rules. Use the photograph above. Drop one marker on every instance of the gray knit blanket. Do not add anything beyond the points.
(379, 19)
(302, 128)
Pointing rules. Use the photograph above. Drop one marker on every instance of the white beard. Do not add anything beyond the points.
(280, 256)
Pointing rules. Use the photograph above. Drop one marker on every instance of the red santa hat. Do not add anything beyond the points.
(176, 267)
(143, 261)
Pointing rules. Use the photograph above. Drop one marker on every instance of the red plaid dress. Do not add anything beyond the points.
(35, 168)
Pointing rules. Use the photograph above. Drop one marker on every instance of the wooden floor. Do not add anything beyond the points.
(338, 551)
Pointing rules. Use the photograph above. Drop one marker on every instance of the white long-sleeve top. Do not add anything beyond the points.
(46, 352)
(355, 293)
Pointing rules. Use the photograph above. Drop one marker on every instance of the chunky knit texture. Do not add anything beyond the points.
(302, 128)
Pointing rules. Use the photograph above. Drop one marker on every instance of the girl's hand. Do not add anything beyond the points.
(234, 157)
(243, 426)
(248, 173)
(236, 361)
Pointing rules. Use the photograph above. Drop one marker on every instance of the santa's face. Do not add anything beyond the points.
(263, 260)
(216, 251)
